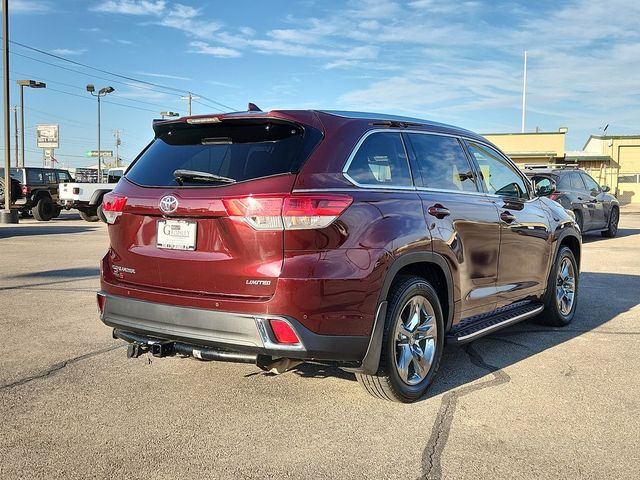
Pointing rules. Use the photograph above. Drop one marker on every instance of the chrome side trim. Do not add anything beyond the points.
(498, 326)
(401, 130)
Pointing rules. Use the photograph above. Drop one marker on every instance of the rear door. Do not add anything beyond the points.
(462, 221)
(525, 244)
(184, 231)
(595, 202)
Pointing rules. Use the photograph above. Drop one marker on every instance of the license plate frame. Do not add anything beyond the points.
(176, 235)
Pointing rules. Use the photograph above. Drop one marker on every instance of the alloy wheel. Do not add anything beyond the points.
(415, 340)
(565, 286)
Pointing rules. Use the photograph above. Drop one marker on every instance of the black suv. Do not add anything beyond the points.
(595, 209)
(39, 190)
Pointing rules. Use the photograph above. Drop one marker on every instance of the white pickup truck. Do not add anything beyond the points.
(87, 197)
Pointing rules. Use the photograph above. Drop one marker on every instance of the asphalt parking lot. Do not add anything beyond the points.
(527, 402)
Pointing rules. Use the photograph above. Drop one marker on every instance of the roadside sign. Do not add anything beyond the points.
(96, 153)
(47, 136)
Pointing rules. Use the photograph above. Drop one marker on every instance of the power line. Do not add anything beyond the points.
(84, 65)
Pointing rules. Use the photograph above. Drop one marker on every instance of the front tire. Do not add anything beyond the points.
(412, 343)
(612, 227)
(561, 297)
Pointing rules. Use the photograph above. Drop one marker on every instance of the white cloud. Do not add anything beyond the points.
(131, 7)
(164, 75)
(206, 49)
(29, 6)
(68, 51)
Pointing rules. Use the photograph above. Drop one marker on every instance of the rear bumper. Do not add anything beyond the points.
(235, 332)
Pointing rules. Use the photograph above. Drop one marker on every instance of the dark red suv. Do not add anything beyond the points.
(361, 240)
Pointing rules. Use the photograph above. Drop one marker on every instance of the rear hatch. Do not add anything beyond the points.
(199, 211)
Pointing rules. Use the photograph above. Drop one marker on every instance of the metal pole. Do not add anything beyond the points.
(15, 129)
(6, 214)
(524, 90)
(99, 151)
(21, 125)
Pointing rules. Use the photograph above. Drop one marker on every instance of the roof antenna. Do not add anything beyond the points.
(253, 108)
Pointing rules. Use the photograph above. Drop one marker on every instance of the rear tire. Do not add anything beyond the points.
(44, 210)
(412, 343)
(89, 215)
(561, 297)
(612, 227)
(101, 214)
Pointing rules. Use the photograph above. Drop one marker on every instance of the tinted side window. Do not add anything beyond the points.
(564, 182)
(50, 176)
(35, 176)
(590, 182)
(441, 163)
(499, 176)
(576, 182)
(381, 160)
(63, 177)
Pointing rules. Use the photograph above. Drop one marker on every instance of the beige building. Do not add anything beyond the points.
(610, 160)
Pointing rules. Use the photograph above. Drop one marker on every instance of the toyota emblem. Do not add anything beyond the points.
(168, 204)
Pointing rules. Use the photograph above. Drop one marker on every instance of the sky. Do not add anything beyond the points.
(454, 62)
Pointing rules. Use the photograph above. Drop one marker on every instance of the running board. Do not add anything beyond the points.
(491, 324)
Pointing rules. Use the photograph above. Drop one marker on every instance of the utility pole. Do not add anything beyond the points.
(116, 133)
(524, 90)
(15, 125)
(189, 98)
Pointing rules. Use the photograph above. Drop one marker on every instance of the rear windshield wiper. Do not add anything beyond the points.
(181, 175)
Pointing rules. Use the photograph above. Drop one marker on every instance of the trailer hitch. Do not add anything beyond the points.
(163, 349)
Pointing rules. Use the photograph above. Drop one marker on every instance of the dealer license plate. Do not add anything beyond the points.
(176, 234)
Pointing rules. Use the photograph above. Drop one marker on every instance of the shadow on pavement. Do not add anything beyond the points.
(622, 232)
(61, 273)
(521, 341)
(49, 229)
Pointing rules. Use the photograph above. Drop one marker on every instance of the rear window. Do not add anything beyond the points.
(242, 150)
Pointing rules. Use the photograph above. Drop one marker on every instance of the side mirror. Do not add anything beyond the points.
(544, 187)
(605, 188)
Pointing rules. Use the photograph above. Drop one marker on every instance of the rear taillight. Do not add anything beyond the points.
(112, 206)
(76, 190)
(555, 195)
(289, 212)
(283, 332)
(25, 189)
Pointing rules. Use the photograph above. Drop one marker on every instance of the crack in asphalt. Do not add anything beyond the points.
(432, 453)
(568, 330)
(57, 367)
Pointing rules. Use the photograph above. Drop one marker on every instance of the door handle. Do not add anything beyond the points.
(507, 217)
(438, 211)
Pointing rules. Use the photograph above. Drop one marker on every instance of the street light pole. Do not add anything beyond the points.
(22, 84)
(6, 216)
(101, 93)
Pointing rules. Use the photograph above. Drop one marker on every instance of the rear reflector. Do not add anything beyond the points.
(283, 332)
(289, 212)
(112, 206)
